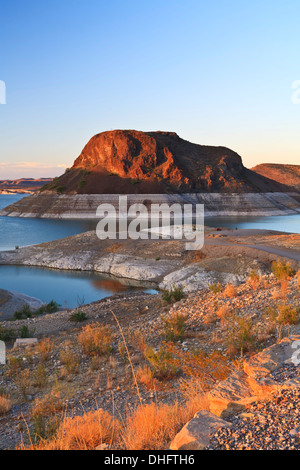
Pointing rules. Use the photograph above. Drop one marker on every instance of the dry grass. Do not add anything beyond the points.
(44, 348)
(153, 426)
(145, 376)
(96, 340)
(148, 427)
(230, 291)
(254, 280)
(83, 432)
(5, 405)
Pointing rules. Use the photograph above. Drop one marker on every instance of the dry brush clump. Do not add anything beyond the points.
(254, 280)
(230, 291)
(239, 334)
(283, 272)
(5, 405)
(82, 433)
(96, 340)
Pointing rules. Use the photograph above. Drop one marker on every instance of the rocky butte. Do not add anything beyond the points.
(158, 167)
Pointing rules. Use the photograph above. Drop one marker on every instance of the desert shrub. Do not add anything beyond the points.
(222, 312)
(51, 307)
(161, 362)
(145, 376)
(282, 270)
(282, 314)
(46, 417)
(14, 366)
(81, 184)
(5, 405)
(70, 361)
(174, 326)
(254, 280)
(24, 312)
(96, 340)
(204, 369)
(25, 332)
(288, 315)
(40, 376)
(151, 426)
(173, 295)
(23, 382)
(230, 291)
(7, 334)
(44, 348)
(83, 432)
(215, 287)
(78, 317)
(239, 334)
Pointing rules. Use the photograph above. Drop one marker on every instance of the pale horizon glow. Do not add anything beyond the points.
(219, 73)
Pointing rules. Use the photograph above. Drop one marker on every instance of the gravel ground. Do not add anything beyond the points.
(269, 425)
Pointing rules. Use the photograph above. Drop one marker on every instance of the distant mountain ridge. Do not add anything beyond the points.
(136, 162)
(288, 175)
(22, 185)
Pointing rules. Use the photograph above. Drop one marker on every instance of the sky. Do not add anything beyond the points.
(218, 72)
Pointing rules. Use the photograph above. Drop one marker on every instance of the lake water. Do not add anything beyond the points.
(19, 231)
(70, 288)
(283, 223)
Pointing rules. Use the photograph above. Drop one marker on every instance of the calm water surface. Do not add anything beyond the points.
(68, 288)
(283, 223)
(19, 231)
(71, 288)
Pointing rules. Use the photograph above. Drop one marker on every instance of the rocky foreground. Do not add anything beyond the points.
(57, 377)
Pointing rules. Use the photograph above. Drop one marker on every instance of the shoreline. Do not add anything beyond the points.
(227, 256)
(84, 206)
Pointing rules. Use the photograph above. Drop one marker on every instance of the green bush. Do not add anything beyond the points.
(174, 327)
(174, 295)
(23, 313)
(78, 317)
(216, 287)
(161, 362)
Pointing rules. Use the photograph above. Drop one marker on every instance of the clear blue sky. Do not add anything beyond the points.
(217, 72)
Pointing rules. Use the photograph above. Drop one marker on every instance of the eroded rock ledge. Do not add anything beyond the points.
(84, 206)
(232, 396)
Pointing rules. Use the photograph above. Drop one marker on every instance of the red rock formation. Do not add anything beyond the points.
(129, 161)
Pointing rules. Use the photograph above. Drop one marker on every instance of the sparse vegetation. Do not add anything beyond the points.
(254, 280)
(5, 405)
(78, 317)
(96, 340)
(174, 326)
(230, 291)
(216, 287)
(174, 295)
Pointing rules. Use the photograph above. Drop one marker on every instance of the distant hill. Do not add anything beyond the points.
(22, 185)
(135, 162)
(288, 175)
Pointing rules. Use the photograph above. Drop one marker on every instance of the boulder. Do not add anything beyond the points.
(195, 435)
(231, 396)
